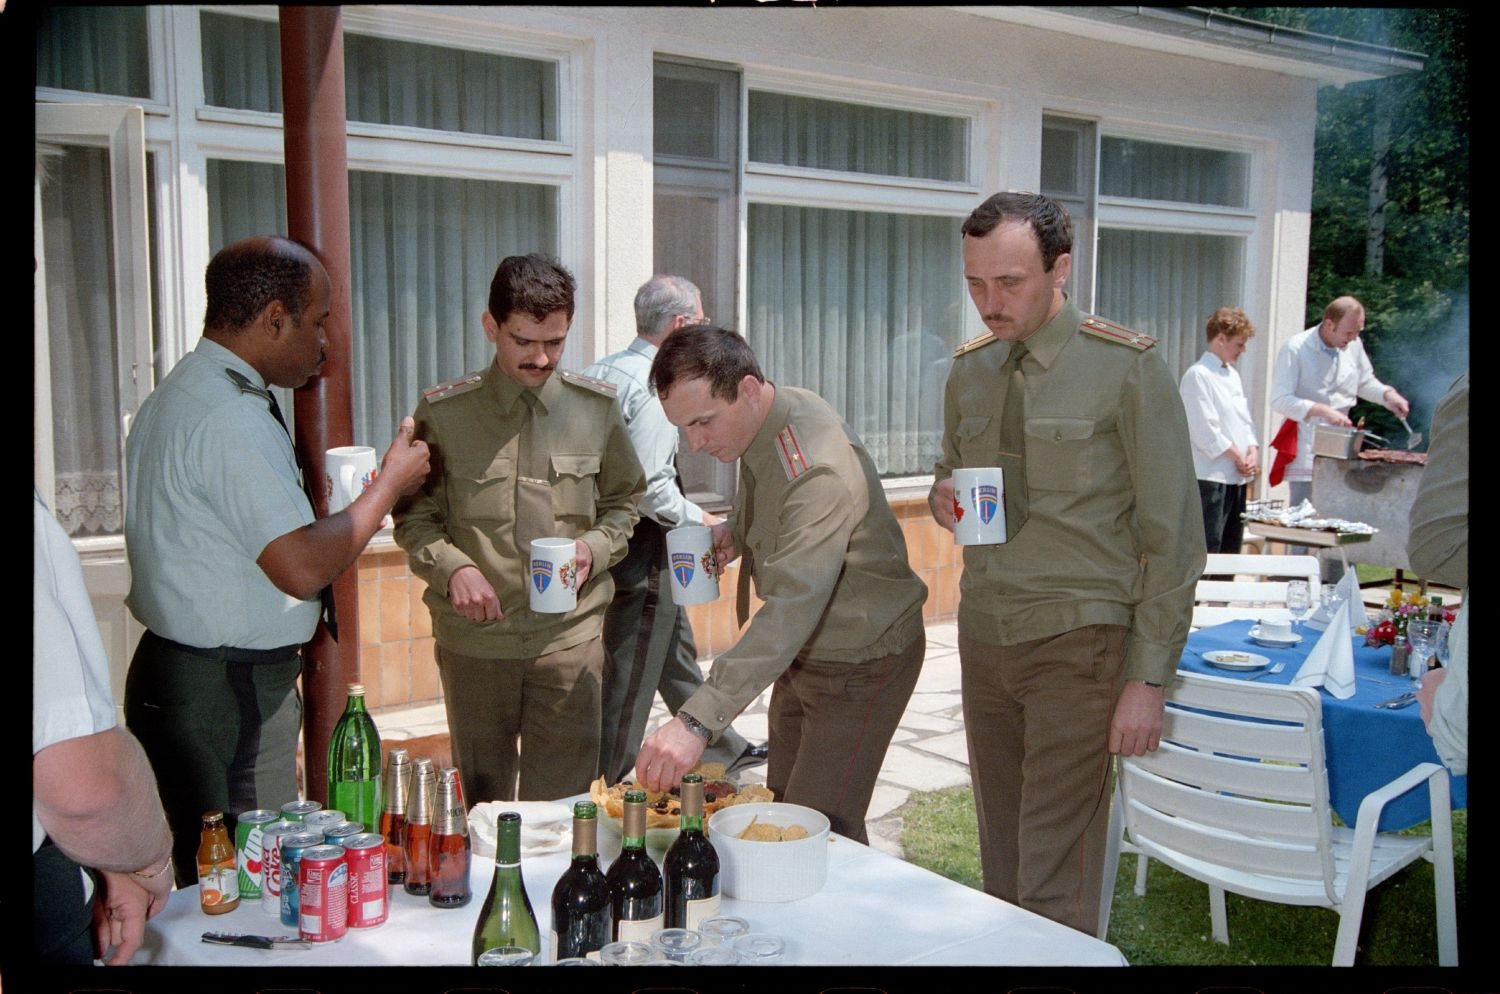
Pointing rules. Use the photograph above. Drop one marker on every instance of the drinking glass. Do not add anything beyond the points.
(1422, 634)
(1298, 600)
(759, 948)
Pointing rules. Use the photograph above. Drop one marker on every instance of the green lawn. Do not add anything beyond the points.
(1170, 926)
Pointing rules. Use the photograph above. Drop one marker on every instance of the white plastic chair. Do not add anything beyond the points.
(1248, 598)
(1237, 797)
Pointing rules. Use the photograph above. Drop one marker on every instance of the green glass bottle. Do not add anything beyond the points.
(354, 763)
(506, 919)
(635, 886)
(691, 868)
(580, 901)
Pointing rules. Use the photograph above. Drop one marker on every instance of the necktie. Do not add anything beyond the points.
(330, 615)
(1013, 440)
(533, 489)
(746, 513)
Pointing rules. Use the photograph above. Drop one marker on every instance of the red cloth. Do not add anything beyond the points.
(1285, 444)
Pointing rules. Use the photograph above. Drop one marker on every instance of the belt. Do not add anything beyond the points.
(229, 654)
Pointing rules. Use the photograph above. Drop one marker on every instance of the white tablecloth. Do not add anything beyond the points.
(873, 910)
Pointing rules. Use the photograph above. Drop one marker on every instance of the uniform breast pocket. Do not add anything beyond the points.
(484, 493)
(969, 434)
(761, 540)
(574, 488)
(1057, 453)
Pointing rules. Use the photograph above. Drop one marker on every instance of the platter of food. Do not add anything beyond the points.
(664, 808)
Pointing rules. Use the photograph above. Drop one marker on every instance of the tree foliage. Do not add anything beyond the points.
(1417, 308)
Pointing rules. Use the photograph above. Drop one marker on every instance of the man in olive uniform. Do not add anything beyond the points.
(840, 632)
(1069, 630)
(521, 454)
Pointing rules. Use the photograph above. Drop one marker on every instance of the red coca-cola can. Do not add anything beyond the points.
(323, 886)
(368, 888)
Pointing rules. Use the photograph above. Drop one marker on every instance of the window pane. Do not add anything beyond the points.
(1178, 173)
(423, 250)
(1167, 284)
(93, 49)
(449, 89)
(241, 62)
(863, 309)
(390, 82)
(822, 134)
(81, 344)
(686, 117)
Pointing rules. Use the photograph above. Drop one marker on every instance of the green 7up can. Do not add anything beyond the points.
(249, 850)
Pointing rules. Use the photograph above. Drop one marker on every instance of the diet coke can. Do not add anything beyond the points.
(271, 876)
(323, 886)
(368, 887)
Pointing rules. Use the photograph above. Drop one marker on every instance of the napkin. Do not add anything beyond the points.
(1330, 665)
(546, 826)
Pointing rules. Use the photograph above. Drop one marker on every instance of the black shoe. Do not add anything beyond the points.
(753, 756)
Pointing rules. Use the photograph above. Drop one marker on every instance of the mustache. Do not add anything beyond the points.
(534, 366)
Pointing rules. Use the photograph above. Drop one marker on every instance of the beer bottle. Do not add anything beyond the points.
(393, 817)
(448, 850)
(218, 870)
(418, 831)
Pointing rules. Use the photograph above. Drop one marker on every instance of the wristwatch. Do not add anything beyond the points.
(695, 726)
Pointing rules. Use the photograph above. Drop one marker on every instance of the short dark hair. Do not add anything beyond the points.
(244, 277)
(1229, 321)
(705, 352)
(1049, 221)
(534, 284)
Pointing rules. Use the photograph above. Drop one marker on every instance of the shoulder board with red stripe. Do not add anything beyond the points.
(977, 342)
(789, 451)
(587, 382)
(1100, 328)
(452, 388)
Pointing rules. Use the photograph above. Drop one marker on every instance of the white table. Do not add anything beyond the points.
(873, 910)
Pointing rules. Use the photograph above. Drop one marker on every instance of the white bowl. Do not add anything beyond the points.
(770, 871)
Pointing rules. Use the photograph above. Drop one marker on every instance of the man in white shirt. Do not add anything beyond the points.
(1225, 456)
(1319, 374)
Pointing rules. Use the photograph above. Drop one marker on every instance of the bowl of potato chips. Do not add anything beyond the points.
(663, 808)
(770, 851)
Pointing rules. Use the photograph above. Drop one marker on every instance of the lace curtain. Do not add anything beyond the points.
(81, 342)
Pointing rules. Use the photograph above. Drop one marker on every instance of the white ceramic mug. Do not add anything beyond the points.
(349, 469)
(690, 555)
(979, 505)
(552, 575)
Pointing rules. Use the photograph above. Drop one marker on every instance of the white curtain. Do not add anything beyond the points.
(1167, 284)
(387, 81)
(92, 49)
(81, 342)
(863, 309)
(825, 134)
(1174, 173)
(422, 251)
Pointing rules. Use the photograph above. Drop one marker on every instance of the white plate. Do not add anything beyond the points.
(1271, 641)
(1226, 660)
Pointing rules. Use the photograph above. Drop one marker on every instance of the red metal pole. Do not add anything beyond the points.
(317, 203)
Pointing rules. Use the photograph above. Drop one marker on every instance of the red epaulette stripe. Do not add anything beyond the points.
(791, 451)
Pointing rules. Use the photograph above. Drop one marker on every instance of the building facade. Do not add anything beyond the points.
(808, 168)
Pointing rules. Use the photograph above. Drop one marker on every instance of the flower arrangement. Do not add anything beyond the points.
(1398, 610)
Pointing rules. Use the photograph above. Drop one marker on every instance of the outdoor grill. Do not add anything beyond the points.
(1377, 487)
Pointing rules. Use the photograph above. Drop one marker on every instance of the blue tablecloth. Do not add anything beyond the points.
(1366, 746)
